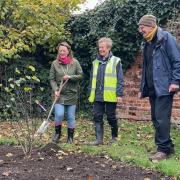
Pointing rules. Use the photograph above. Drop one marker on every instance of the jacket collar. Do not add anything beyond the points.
(102, 59)
(160, 38)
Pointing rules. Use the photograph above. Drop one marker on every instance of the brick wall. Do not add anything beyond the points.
(134, 108)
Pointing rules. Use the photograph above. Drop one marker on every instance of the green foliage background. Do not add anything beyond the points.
(117, 19)
(29, 33)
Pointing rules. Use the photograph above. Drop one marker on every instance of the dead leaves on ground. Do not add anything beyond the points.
(9, 155)
(7, 173)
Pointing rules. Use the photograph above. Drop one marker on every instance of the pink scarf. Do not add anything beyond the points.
(64, 60)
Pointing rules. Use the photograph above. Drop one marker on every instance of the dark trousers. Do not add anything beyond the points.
(161, 108)
(108, 108)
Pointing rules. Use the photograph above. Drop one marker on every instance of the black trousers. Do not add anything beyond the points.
(161, 108)
(108, 108)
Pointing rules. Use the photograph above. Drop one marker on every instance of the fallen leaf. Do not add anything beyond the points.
(60, 157)
(103, 165)
(53, 150)
(7, 173)
(114, 166)
(96, 162)
(56, 178)
(40, 158)
(155, 161)
(69, 169)
(63, 153)
(119, 138)
(174, 178)
(106, 157)
(89, 178)
(9, 154)
(1, 161)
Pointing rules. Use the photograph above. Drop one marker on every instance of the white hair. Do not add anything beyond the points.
(108, 41)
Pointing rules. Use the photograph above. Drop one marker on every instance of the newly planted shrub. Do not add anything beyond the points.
(19, 92)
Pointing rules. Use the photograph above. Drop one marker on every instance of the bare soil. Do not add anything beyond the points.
(51, 163)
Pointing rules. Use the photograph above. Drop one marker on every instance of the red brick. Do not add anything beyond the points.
(134, 108)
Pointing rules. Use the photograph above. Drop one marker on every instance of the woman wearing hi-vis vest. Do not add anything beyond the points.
(106, 89)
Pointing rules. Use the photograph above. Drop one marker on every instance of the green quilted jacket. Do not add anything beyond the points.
(69, 93)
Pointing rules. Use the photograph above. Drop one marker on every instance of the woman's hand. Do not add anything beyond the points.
(57, 94)
(66, 77)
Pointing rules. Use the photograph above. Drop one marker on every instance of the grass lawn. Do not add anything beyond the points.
(135, 144)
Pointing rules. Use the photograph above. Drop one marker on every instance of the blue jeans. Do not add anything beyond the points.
(59, 114)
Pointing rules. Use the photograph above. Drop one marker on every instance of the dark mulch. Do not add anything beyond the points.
(51, 163)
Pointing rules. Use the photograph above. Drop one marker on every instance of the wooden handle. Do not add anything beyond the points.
(56, 98)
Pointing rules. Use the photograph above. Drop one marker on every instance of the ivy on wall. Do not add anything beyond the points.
(118, 20)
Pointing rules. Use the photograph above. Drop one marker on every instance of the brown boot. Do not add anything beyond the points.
(158, 156)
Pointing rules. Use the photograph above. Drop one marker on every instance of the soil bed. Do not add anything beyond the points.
(51, 163)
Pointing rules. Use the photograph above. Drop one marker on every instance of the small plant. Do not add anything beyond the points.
(19, 92)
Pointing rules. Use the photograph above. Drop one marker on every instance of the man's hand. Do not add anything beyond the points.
(173, 87)
(139, 95)
(119, 99)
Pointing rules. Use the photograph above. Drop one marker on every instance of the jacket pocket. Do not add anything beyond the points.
(161, 60)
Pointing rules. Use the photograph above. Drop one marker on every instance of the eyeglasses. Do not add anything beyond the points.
(141, 28)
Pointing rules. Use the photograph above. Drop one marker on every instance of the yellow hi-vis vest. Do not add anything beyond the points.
(110, 80)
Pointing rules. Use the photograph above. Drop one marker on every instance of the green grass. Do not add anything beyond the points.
(135, 144)
(7, 141)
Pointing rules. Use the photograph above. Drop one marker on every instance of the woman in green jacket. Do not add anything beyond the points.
(65, 67)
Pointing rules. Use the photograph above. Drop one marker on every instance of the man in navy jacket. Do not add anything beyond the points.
(160, 80)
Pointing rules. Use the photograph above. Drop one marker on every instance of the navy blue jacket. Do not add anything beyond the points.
(166, 65)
